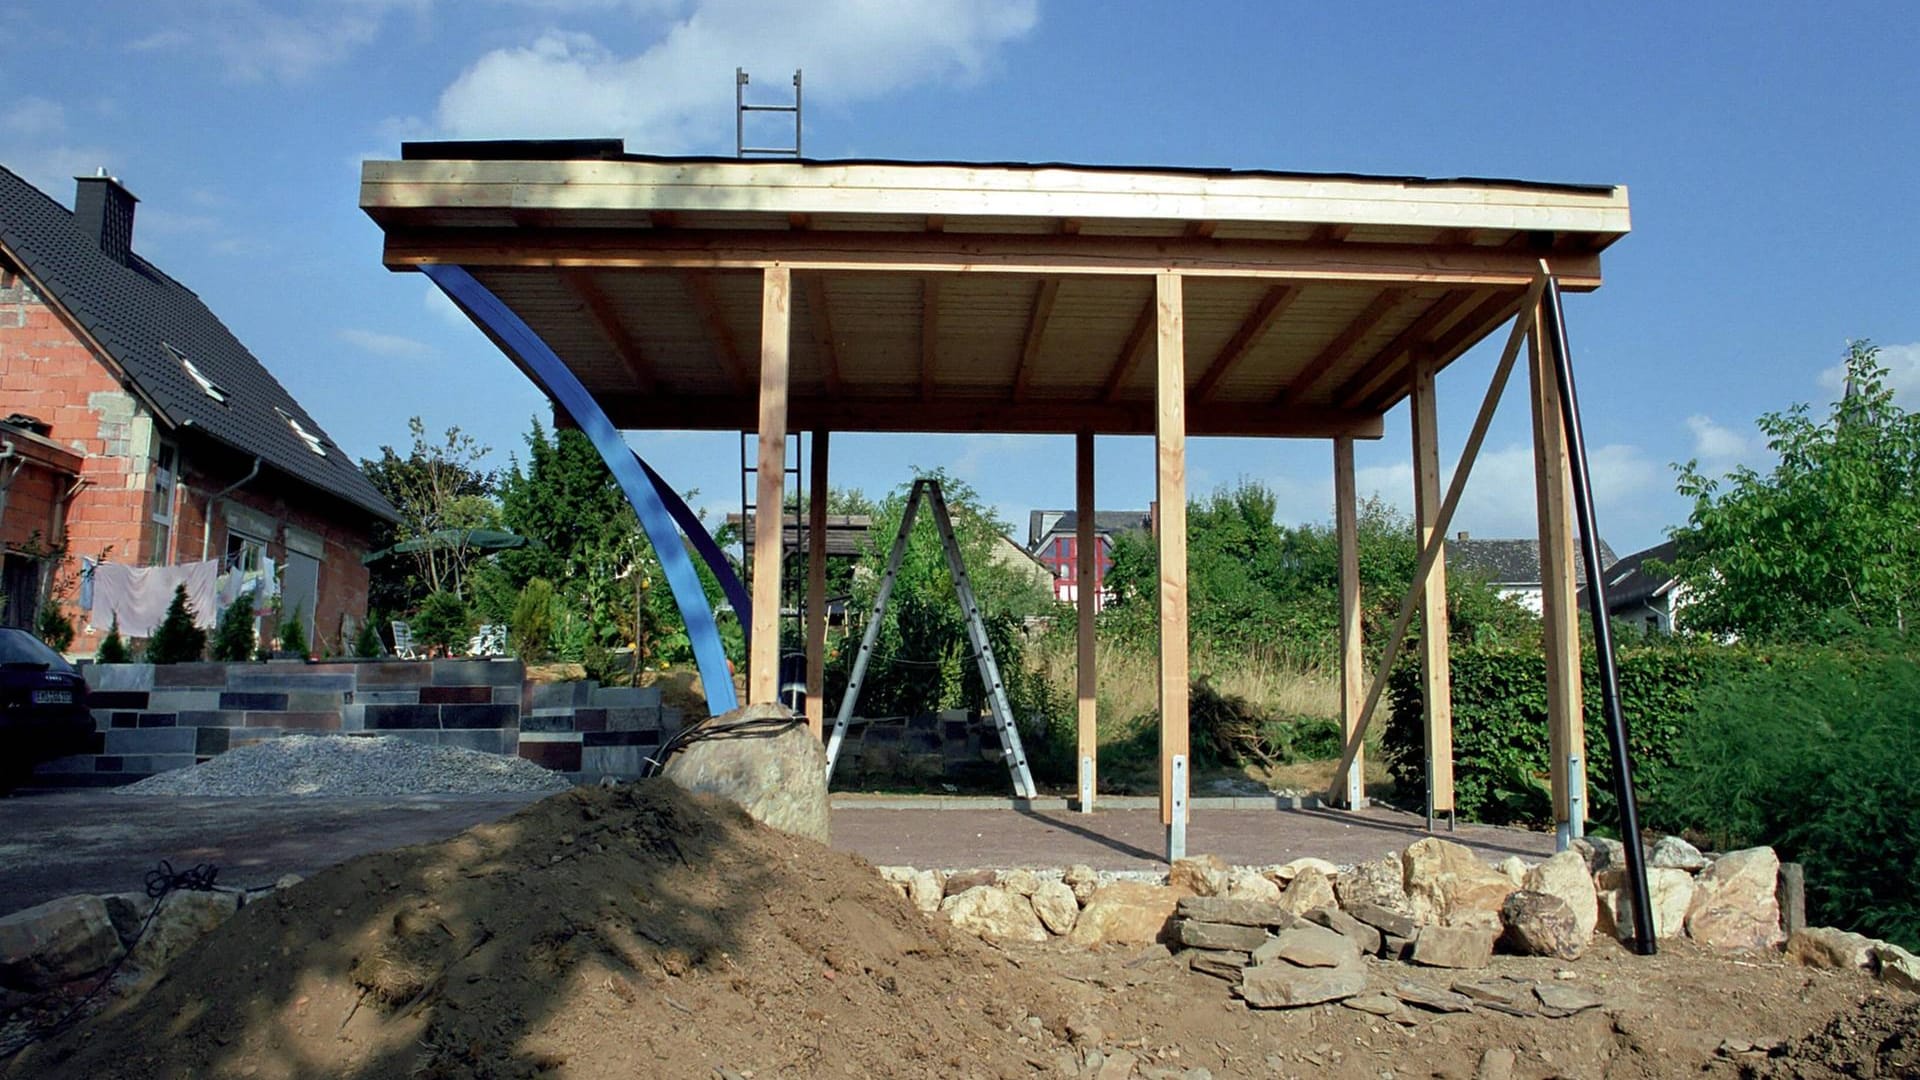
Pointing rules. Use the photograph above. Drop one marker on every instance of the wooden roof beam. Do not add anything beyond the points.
(982, 414)
(820, 325)
(1132, 351)
(1036, 255)
(1043, 301)
(1342, 344)
(1201, 230)
(607, 321)
(1331, 233)
(1484, 319)
(1377, 370)
(1272, 304)
(705, 295)
(929, 333)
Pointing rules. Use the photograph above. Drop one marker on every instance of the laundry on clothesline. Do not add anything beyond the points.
(138, 596)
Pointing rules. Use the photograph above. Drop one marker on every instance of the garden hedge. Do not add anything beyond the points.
(1500, 725)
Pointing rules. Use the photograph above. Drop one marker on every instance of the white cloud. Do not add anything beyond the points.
(32, 117)
(1903, 374)
(1499, 498)
(677, 94)
(392, 346)
(1715, 443)
(255, 40)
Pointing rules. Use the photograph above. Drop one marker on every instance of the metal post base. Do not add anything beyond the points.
(1086, 785)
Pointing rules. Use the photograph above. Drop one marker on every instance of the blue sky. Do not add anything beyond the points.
(1772, 152)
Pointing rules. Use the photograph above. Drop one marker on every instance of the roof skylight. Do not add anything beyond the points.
(314, 442)
(212, 389)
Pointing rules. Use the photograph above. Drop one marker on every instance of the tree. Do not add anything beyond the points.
(439, 490)
(113, 648)
(233, 636)
(177, 640)
(1828, 539)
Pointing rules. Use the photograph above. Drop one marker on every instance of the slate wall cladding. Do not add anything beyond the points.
(151, 719)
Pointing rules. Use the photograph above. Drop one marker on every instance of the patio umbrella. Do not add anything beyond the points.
(476, 539)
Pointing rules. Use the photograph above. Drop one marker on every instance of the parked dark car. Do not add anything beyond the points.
(43, 707)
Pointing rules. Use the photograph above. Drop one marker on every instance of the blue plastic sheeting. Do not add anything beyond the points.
(561, 385)
(709, 551)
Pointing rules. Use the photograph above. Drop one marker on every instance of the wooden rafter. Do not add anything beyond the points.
(605, 319)
(1201, 230)
(1331, 233)
(1035, 255)
(1337, 350)
(706, 303)
(936, 223)
(1473, 326)
(1272, 304)
(1043, 301)
(903, 413)
(799, 221)
(929, 333)
(1369, 378)
(1130, 352)
(820, 325)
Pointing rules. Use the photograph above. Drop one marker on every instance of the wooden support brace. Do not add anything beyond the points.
(1430, 551)
(1559, 605)
(763, 656)
(1087, 600)
(1170, 440)
(817, 587)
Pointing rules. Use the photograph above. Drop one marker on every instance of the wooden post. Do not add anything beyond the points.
(1559, 604)
(1170, 441)
(817, 587)
(763, 658)
(1087, 600)
(1346, 524)
(1436, 681)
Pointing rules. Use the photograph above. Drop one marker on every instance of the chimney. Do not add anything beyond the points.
(103, 209)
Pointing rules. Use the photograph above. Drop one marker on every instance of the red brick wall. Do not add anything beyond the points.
(48, 371)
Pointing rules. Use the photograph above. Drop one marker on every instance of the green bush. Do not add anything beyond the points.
(233, 637)
(113, 648)
(1815, 752)
(1500, 755)
(293, 634)
(366, 640)
(177, 640)
(531, 625)
(443, 622)
(54, 627)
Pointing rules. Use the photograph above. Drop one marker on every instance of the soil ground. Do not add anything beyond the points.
(61, 843)
(640, 931)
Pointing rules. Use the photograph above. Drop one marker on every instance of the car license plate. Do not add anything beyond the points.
(53, 697)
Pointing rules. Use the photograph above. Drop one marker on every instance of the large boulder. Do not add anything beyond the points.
(1448, 884)
(1671, 892)
(1283, 986)
(1565, 875)
(1246, 883)
(1053, 901)
(1308, 890)
(1896, 966)
(1309, 945)
(762, 758)
(1380, 882)
(1201, 875)
(994, 912)
(1673, 853)
(1827, 947)
(1541, 924)
(1453, 947)
(926, 888)
(183, 919)
(1735, 903)
(1124, 913)
(56, 942)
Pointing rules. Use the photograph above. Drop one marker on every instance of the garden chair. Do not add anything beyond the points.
(403, 646)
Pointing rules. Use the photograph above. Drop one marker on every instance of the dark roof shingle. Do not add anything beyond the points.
(1044, 523)
(1513, 562)
(136, 312)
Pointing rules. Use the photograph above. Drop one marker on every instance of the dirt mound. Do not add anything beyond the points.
(628, 931)
(1881, 1038)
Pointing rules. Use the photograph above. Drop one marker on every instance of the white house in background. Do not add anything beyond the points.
(1513, 566)
(1637, 595)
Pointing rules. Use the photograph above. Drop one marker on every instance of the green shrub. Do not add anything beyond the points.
(1815, 752)
(177, 640)
(1500, 754)
(366, 640)
(233, 637)
(54, 627)
(293, 634)
(113, 648)
(531, 626)
(443, 622)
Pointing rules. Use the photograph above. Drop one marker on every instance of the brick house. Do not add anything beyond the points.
(1053, 538)
(136, 426)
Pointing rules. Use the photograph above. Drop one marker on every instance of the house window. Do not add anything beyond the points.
(244, 553)
(165, 464)
(314, 442)
(207, 386)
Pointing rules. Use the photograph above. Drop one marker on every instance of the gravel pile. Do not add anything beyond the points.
(350, 765)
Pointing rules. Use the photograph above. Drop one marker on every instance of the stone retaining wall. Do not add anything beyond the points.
(153, 718)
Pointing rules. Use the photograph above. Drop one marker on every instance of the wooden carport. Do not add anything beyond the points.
(817, 296)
